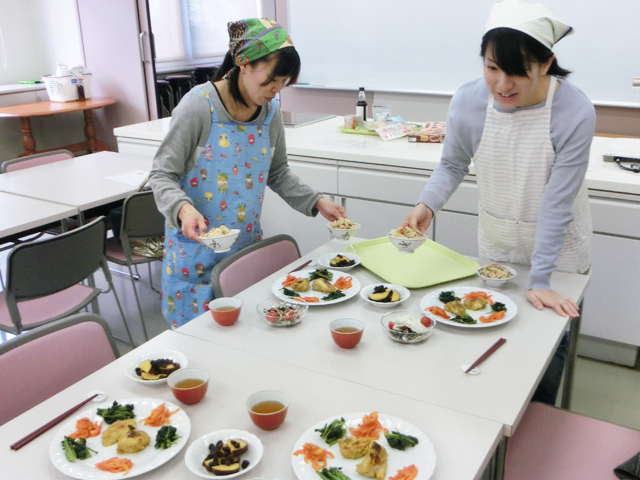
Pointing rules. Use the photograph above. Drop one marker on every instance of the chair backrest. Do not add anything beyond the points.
(140, 218)
(250, 265)
(35, 160)
(44, 361)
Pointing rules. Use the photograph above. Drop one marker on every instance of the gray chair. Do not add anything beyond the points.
(44, 361)
(248, 266)
(43, 278)
(140, 219)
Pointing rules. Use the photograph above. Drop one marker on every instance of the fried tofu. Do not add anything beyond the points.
(133, 441)
(300, 285)
(475, 303)
(353, 447)
(374, 464)
(455, 307)
(117, 429)
(322, 285)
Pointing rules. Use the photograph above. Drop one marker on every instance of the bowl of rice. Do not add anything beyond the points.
(406, 239)
(495, 275)
(407, 326)
(221, 238)
(343, 228)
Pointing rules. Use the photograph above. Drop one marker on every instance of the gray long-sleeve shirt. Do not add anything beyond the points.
(188, 133)
(572, 128)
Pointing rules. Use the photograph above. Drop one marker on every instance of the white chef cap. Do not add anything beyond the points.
(533, 19)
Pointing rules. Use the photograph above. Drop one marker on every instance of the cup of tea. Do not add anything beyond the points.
(189, 385)
(268, 408)
(346, 332)
(225, 310)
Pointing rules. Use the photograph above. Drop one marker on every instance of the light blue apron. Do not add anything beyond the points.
(227, 186)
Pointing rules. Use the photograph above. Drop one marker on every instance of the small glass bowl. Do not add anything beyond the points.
(278, 313)
(401, 337)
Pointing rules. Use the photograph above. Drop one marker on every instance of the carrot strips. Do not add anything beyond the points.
(484, 295)
(314, 455)
(369, 428)
(308, 299)
(343, 283)
(406, 473)
(439, 312)
(159, 416)
(290, 280)
(116, 465)
(85, 428)
(493, 317)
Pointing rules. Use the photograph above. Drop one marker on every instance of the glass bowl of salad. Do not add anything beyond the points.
(278, 313)
(407, 326)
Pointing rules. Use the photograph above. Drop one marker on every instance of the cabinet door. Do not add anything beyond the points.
(457, 231)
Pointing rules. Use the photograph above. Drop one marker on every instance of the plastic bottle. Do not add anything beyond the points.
(361, 106)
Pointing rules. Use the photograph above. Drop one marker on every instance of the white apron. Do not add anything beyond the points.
(513, 164)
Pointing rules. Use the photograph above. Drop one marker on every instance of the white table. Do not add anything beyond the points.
(23, 213)
(463, 443)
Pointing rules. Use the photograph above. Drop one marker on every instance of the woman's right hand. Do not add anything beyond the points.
(192, 222)
(420, 217)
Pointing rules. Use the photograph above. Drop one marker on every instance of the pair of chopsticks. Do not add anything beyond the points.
(486, 354)
(301, 266)
(47, 426)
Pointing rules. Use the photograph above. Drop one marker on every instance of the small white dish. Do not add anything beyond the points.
(496, 282)
(343, 233)
(325, 260)
(406, 245)
(368, 290)
(222, 243)
(130, 368)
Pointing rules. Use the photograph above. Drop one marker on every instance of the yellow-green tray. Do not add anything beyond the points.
(358, 132)
(430, 264)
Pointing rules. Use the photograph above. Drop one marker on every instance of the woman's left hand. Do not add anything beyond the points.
(548, 298)
(329, 210)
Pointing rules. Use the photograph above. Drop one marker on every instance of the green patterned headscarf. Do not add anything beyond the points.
(254, 38)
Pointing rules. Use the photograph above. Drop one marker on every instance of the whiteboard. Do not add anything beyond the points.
(428, 46)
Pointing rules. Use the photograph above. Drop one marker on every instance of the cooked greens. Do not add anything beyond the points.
(290, 293)
(400, 441)
(332, 473)
(464, 319)
(333, 431)
(498, 307)
(333, 295)
(166, 437)
(321, 273)
(448, 296)
(76, 448)
(116, 412)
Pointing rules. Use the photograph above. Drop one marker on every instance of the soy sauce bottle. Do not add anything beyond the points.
(361, 106)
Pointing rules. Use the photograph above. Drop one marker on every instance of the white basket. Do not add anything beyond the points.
(65, 89)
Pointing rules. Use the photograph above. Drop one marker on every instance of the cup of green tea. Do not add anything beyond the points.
(268, 408)
(346, 332)
(189, 385)
(225, 310)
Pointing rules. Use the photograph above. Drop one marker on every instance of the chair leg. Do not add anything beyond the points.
(135, 292)
(124, 320)
(120, 272)
(151, 280)
(2, 280)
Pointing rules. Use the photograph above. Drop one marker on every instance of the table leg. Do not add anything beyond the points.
(28, 142)
(569, 368)
(498, 460)
(95, 145)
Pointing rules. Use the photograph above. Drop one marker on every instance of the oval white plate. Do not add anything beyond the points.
(199, 449)
(325, 260)
(368, 290)
(431, 300)
(276, 288)
(130, 369)
(143, 461)
(423, 455)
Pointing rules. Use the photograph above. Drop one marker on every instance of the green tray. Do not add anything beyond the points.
(358, 132)
(430, 264)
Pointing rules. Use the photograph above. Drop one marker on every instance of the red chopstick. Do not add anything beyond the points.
(301, 266)
(47, 426)
(486, 354)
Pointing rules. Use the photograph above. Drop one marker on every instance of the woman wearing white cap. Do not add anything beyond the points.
(528, 131)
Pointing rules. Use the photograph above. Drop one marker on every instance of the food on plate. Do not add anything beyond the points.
(333, 431)
(322, 285)
(455, 307)
(484, 295)
(85, 428)
(343, 283)
(374, 464)
(384, 295)
(224, 459)
(76, 448)
(406, 232)
(343, 224)
(160, 415)
(369, 428)
(499, 307)
(475, 304)
(495, 316)
(314, 455)
(217, 232)
(438, 312)
(118, 429)
(321, 273)
(406, 473)
(447, 296)
(464, 319)
(300, 285)
(116, 465)
(341, 261)
(493, 270)
(289, 280)
(166, 437)
(116, 412)
(308, 299)
(352, 447)
(333, 295)
(157, 369)
(400, 441)
(333, 473)
(283, 314)
(132, 442)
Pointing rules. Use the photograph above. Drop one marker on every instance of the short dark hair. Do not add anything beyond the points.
(514, 51)
(287, 65)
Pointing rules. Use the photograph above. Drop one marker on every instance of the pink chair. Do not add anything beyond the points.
(35, 160)
(555, 444)
(248, 266)
(48, 359)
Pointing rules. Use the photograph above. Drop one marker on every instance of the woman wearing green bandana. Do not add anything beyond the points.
(226, 143)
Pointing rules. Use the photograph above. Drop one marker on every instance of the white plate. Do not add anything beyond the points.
(368, 290)
(431, 300)
(143, 461)
(423, 455)
(276, 288)
(325, 260)
(130, 369)
(199, 449)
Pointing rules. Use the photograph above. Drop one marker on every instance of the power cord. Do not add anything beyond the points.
(633, 167)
